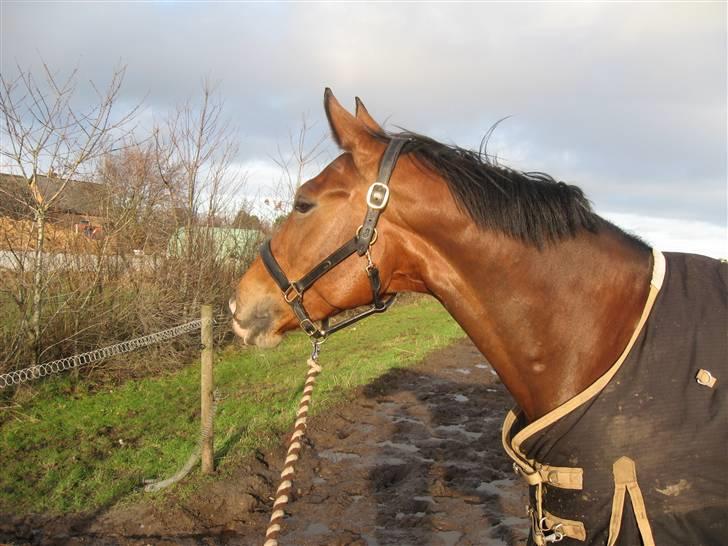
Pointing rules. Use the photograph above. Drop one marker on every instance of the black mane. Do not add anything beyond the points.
(530, 206)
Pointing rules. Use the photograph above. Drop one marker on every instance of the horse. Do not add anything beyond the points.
(614, 352)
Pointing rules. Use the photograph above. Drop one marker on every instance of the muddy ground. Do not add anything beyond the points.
(415, 459)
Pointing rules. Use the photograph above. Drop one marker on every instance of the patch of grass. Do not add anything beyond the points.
(70, 450)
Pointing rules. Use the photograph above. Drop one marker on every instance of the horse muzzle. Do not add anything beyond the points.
(256, 323)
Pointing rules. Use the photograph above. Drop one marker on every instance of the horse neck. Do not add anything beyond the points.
(549, 321)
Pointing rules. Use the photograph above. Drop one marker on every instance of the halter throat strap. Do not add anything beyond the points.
(366, 236)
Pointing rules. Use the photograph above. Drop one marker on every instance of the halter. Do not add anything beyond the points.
(365, 237)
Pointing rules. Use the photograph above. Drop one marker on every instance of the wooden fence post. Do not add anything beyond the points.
(206, 383)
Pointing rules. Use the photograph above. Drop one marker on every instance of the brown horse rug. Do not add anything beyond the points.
(641, 456)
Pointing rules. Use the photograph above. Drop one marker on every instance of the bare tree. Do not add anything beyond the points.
(135, 198)
(195, 147)
(296, 161)
(77, 292)
(51, 142)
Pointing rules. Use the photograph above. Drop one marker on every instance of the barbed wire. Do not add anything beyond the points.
(76, 361)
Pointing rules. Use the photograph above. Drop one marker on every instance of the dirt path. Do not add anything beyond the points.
(415, 460)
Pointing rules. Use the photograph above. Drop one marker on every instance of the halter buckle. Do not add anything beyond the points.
(378, 196)
(308, 326)
(287, 294)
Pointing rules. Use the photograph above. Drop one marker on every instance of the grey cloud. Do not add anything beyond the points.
(626, 100)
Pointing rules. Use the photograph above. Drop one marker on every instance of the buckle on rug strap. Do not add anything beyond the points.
(554, 533)
(531, 478)
(556, 476)
(543, 531)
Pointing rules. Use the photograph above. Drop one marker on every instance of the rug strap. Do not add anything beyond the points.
(625, 481)
(570, 528)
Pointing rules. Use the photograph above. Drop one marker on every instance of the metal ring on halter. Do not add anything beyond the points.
(374, 236)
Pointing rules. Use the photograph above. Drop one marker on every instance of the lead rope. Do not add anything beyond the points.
(294, 448)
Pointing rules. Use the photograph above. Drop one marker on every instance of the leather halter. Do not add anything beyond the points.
(366, 236)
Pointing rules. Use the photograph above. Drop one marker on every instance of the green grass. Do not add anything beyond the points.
(70, 450)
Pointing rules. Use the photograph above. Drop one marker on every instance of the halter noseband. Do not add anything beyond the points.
(366, 236)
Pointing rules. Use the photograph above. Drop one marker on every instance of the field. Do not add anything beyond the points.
(83, 449)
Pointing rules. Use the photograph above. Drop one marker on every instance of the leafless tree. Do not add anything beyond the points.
(136, 201)
(296, 161)
(195, 147)
(51, 141)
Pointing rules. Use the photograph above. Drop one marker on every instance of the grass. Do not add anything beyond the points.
(76, 450)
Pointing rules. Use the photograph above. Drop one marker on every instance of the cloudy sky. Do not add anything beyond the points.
(626, 100)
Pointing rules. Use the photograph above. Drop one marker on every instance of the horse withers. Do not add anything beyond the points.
(615, 353)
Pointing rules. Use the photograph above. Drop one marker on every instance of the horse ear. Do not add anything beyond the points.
(350, 133)
(362, 114)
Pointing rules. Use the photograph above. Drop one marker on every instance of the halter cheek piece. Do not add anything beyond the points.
(366, 236)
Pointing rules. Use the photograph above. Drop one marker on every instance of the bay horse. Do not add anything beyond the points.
(615, 353)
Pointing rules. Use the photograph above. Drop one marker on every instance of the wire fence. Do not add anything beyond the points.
(76, 361)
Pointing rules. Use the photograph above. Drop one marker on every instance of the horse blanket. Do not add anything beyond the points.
(641, 456)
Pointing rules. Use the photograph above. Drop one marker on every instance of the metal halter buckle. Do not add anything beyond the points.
(379, 199)
(296, 293)
(308, 326)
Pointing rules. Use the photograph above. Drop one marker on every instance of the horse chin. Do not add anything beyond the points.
(263, 340)
(267, 341)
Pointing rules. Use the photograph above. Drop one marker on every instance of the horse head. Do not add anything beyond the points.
(328, 211)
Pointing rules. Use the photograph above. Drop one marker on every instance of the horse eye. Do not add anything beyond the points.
(302, 206)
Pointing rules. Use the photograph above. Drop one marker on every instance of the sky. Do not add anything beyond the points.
(625, 99)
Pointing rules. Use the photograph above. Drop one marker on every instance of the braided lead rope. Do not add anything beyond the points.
(294, 448)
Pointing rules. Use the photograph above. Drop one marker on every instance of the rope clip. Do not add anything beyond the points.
(316, 348)
(370, 264)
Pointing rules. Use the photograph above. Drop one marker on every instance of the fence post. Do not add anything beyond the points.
(206, 384)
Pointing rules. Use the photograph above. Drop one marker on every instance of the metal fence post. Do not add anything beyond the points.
(206, 383)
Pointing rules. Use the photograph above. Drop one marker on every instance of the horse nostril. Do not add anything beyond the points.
(231, 304)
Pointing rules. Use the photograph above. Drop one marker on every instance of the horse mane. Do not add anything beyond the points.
(530, 206)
